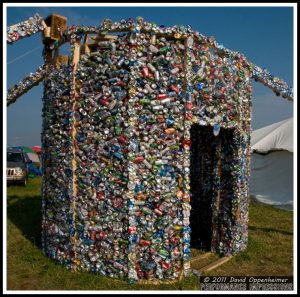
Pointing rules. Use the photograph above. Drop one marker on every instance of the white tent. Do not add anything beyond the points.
(33, 157)
(271, 179)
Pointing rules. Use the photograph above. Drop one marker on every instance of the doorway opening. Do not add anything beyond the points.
(211, 156)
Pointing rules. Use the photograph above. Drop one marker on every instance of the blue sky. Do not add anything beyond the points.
(263, 34)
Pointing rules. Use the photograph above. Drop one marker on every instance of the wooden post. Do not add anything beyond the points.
(61, 59)
(54, 26)
(87, 46)
(48, 56)
(76, 55)
(201, 257)
(55, 58)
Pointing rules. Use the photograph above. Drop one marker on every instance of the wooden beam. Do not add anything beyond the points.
(104, 37)
(76, 56)
(201, 257)
(58, 25)
(61, 59)
(86, 48)
(55, 58)
(215, 264)
(91, 44)
(48, 57)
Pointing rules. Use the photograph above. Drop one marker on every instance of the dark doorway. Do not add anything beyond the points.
(209, 153)
(202, 159)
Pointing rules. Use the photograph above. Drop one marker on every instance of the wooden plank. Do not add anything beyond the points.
(63, 59)
(43, 24)
(104, 37)
(58, 25)
(91, 44)
(84, 49)
(46, 33)
(55, 58)
(201, 257)
(215, 264)
(76, 56)
(87, 47)
(48, 57)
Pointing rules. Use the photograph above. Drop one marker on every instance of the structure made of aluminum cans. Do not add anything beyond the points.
(145, 146)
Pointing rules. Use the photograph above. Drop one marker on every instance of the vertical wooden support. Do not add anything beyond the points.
(55, 58)
(61, 59)
(54, 25)
(48, 57)
(76, 55)
(85, 48)
(75, 62)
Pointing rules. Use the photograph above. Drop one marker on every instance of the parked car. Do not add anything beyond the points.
(17, 167)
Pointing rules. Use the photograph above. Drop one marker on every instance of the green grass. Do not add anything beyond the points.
(269, 251)
(270, 246)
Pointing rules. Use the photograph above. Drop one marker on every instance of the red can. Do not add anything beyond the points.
(144, 242)
(206, 96)
(189, 105)
(122, 138)
(99, 195)
(132, 229)
(102, 235)
(158, 211)
(161, 96)
(174, 88)
(166, 266)
(187, 142)
(138, 159)
(103, 102)
(93, 235)
(189, 115)
(145, 71)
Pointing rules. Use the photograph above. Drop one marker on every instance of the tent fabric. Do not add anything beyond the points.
(25, 149)
(37, 149)
(271, 179)
(34, 170)
(33, 157)
(278, 136)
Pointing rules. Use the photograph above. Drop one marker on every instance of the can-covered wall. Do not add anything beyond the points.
(116, 140)
(57, 155)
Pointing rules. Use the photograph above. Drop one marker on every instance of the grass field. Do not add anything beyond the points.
(269, 251)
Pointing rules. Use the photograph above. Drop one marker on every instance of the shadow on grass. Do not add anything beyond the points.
(25, 213)
(270, 230)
